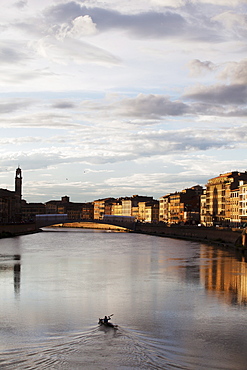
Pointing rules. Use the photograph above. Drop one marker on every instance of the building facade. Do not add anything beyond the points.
(103, 207)
(234, 208)
(75, 211)
(218, 197)
(181, 207)
(10, 201)
(164, 208)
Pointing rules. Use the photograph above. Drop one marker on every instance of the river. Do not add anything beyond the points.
(178, 304)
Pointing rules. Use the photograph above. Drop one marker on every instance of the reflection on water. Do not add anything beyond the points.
(178, 304)
(8, 262)
(226, 275)
(220, 273)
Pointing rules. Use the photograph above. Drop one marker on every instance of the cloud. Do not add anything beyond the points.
(197, 68)
(11, 52)
(169, 3)
(19, 75)
(235, 72)
(19, 140)
(146, 109)
(150, 106)
(79, 27)
(14, 105)
(188, 140)
(219, 94)
(220, 99)
(221, 2)
(181, 3)
(40, 120)
(21, 4)
(145, 183)
(149, 24)
(233, 21)
(64, 104)
(103, 85)
(71, 50)
(133, 146)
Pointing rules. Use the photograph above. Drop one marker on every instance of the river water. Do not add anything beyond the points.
(178, 304)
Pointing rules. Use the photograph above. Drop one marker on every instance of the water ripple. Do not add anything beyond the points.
(96, 348)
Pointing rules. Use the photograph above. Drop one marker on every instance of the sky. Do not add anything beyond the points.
(110, 99)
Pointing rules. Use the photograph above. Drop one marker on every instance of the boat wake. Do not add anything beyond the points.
(100, 347)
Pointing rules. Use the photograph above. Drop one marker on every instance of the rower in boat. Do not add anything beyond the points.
(106, 319)
(105, 322)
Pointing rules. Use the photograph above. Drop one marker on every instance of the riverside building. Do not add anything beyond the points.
(219, 191)
(10, 201)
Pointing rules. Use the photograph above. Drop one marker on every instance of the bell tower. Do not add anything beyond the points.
(18, 183)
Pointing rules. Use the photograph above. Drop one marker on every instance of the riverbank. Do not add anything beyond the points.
(11, 230)
(231, 238)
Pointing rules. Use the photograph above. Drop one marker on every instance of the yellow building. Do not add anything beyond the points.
(203, 208)
(103, 207)
(181, 207)
(148, 211)
(117, 208)
(218, 197)
(130, 206)
(176, 209)
(164, 208)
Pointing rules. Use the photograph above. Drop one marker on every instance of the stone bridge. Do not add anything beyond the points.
(54, 219)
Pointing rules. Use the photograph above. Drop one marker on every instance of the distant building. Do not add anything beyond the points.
(103, 207)
(234, 219)
(10, 201)
(164, 208)
(30, 210)
(218, 197)
(7, 206)
(203, 208)
(130, 205)
(181, 207)
(117, 207)
(148, 211)
(142, 208)
(75, 211)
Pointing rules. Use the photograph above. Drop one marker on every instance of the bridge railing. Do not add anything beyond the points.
(50, 219)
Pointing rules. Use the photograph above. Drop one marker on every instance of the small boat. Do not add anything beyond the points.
(107, 324)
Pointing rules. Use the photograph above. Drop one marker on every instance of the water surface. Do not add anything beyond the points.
(178, 304)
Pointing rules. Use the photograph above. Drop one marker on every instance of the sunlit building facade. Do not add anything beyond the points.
(103, 207)
(148, 211)
(234, 208)
(181, 207)
(218, 197)
(164, 208)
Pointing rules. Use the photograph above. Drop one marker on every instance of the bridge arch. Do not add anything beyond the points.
(44, 220)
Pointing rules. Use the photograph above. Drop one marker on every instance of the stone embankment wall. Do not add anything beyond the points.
(16, 229)
(228, 237)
